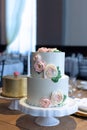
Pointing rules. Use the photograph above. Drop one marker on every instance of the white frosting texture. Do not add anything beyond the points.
(43, 88)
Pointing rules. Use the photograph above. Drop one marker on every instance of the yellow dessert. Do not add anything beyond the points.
(14, 86)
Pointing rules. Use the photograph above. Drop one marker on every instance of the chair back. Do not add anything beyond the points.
(2, 62)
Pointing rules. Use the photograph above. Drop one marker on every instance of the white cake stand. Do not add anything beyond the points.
(14, 102)
(47, 116)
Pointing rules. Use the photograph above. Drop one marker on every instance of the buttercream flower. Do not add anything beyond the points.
(56, 98)
(37, 57)
(50, 71)
(45, 102)
(43, 49)
(39, 66)
(52, 49)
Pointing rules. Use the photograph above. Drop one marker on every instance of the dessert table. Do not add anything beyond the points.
(17, 120)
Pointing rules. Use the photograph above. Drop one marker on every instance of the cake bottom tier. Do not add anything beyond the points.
(39, 89)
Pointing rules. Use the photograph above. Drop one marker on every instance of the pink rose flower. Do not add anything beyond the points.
(45, 102)
(39, 66)
(37, 57)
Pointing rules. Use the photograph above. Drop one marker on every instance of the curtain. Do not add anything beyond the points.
(14, 10)
(2, 23)
(21, 26)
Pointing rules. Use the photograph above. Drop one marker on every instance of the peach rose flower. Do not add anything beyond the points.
(42, 49)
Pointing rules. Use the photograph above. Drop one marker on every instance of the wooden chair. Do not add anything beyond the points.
(2, 62)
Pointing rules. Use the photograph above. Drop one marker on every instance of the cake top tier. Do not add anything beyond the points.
(47, 63)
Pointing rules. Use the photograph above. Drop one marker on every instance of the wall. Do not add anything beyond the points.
(49, 22)
(62, 22)
(3, 42)
(2, 23)
(75, 23)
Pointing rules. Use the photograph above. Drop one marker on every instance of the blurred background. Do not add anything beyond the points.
(26, 25)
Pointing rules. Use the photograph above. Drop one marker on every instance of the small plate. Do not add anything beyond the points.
(81, 113)
(84, 87)
(82, 104)
(82, 107)
(83, 82)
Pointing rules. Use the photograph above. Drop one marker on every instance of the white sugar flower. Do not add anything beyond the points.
(50, 71)
(56, 98)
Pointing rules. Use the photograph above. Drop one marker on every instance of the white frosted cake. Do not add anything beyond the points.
(47, 85)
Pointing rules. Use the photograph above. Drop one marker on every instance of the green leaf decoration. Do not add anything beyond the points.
(56, 79)
(56, 51)
(64, 98)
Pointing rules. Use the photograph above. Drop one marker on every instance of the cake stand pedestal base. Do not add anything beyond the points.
(14, 104)
(47, 121)
(47, 116)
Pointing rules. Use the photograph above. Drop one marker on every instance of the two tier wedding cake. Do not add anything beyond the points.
(47, 85)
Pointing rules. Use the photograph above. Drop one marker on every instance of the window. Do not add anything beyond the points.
(21, 26)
